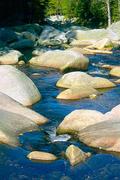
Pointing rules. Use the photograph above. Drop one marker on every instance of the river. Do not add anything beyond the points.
(14, 164)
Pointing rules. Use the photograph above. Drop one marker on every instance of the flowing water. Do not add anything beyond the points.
(14, 164)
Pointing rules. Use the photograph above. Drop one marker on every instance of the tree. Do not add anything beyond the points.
(22, 11)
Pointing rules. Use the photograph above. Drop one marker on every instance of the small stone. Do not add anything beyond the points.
(93, 96)
(76, 155)
(21, 62)
(41, 156)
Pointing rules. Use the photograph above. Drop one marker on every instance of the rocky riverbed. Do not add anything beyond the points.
(81, 106)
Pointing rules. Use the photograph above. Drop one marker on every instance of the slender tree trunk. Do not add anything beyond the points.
(119, 8)
(109, 12)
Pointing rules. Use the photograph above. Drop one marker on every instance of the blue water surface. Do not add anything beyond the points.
(14, 164)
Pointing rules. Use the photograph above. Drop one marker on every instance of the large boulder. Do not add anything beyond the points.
(9, 104)
(33, 28)
(63, 60)
(41, 156)
(104, 135)
(115, 29)
(29, 35)
(7, 35)
(17, 85)
(74, 79)
(9, 56)
(51, 36)
(95, 34)
(77, 93)
(12, 125)
(76, 155)
(115, 72)
(94, 128)
(78, 120)
(22, 44)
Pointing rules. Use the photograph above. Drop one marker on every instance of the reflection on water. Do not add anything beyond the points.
(13, 162)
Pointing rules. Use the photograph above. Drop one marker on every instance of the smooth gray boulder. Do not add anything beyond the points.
(51, 36)
(7, 35)
(22, 44)
(62, 60)
(12, 125)
(95, 34)
(115, 29)
(18, 86)
(9, 104)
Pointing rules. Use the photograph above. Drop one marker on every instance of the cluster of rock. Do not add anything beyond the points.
(94, 128)
(81, 85)
(16, 92)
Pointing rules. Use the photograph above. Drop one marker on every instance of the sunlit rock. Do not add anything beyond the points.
(21, 62)
(18, 86)
(78, 120)
(41, 156)
(8, 104)
(76, 155)
(9, 56)
(63, 60)
(95, 34)
(12, 125)
(115, 28)
(103, 43)
(74, 79)
(77, 93)
(104, 135)
(115, 72)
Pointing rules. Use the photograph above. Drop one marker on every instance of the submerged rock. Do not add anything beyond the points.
(76, 155)
(41, 156)
(18, 86)
(78, 120)
(9, 56)
(9, 104)
(12, 125)
(76, 79)
(63, 60)
(78, 93)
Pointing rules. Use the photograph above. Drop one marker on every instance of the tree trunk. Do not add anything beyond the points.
(109, 12)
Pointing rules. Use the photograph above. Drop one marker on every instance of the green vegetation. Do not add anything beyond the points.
(91, 13)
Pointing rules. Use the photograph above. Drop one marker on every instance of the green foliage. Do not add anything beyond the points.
(91, 13)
